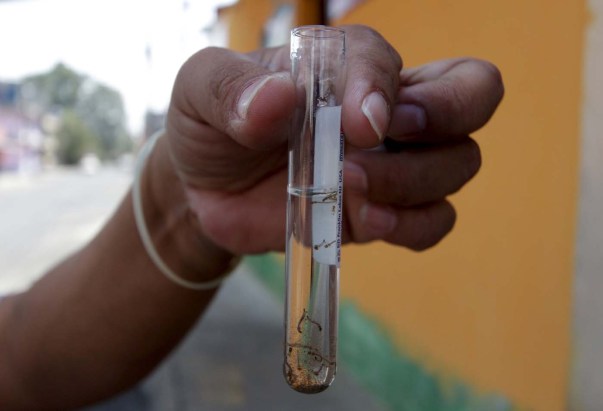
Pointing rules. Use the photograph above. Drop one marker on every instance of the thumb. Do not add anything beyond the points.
(235, 96)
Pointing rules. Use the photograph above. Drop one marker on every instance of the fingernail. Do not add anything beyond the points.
(407, 119)
(378, 219)
(354, 177)
(252, 90)
(376, 110)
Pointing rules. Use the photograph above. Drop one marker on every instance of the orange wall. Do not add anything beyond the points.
(245, 21)
(247, 17)
(491, 304)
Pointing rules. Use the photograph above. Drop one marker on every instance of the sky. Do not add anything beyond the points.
(134, 46)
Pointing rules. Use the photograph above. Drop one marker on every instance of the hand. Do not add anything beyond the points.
(228, 123)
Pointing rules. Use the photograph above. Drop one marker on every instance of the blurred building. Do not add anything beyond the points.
(8, 93)
(21, 138)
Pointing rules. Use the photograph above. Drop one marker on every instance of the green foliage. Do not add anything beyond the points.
(92, 114)
(101, 109)
(57, 89)
(74, 139)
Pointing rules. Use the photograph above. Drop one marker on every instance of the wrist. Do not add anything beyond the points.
(173, 227)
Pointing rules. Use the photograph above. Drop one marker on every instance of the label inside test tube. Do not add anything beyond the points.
(328, 175)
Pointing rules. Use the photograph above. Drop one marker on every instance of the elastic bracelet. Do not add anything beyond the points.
(144, 232)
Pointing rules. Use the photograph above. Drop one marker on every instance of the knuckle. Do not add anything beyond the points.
(455, 98)
(378, 58)
(215, 72)
(470, 95)
(381, 44)
(491, 91)
(398, 175)
(223, 83)
(385, 77)
(494, 77)
(431, 226)
(473, 161)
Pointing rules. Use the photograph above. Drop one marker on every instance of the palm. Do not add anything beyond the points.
(250, 219)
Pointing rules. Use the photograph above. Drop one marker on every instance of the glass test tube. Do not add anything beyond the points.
(314, 208)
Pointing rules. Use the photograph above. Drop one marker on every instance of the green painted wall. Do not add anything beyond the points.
(401, 381)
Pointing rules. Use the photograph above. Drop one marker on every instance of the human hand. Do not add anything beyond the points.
(228, 126)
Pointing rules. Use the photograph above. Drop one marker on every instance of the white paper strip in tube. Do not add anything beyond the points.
(326, 204)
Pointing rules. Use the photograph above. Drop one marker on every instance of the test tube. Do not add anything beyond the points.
(314, 208)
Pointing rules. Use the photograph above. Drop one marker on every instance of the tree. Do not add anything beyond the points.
(55, 90)
(84, 106)
(74, 139)
(102, 110)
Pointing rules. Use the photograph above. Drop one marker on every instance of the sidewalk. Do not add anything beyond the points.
(233, 360)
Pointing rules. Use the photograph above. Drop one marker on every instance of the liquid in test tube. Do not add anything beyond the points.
(314, 208)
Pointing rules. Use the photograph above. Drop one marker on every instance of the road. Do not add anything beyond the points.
(231, 361)
(44, 217)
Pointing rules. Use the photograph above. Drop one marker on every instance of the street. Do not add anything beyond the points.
(46, 216)
(231, 361)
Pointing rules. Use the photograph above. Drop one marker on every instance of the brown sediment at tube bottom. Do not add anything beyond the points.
(303, 383)
(307, 379)
(309, 389)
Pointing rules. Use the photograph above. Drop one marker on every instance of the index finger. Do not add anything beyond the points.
(446, 98)
(372, 84)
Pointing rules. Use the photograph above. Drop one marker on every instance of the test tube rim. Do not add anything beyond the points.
(318, 32)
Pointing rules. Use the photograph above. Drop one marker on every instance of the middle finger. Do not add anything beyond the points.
(412, 176)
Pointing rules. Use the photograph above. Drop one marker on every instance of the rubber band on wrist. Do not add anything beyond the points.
(144, 232)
